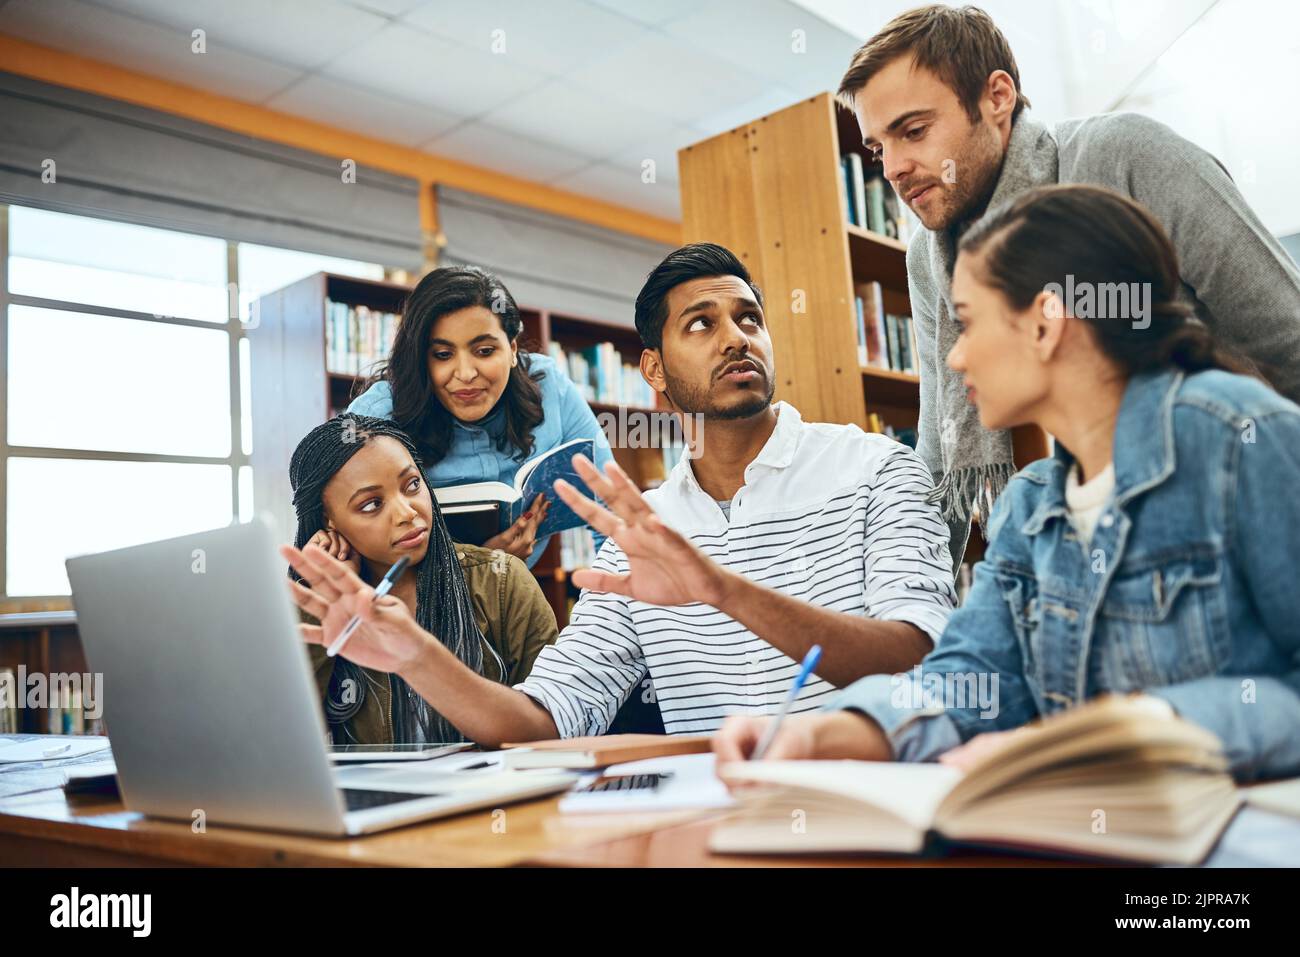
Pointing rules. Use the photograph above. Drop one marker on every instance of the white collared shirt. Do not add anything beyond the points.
(828, 513)
(1086, 502)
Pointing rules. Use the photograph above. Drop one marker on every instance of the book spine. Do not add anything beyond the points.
(857, 181)
(9, 709)
(354, 341)
(891, 210)
(860, 309)
(876, 205)
(878, 299)
(846, 191)
(331, 336)
(872, 332)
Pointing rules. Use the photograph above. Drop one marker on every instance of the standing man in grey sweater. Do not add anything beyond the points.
(937, 97)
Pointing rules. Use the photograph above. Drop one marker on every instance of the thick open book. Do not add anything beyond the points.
(1119, 778)
(479, 510)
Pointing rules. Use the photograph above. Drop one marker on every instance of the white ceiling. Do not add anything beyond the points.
(584, 92)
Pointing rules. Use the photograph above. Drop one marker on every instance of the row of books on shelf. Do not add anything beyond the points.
(878, 425)
(872, 203)
(68, 718)
(576, 549)
(601, 375)
(885, 340)
(356, 337)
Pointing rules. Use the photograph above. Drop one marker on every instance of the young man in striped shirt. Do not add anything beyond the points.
(776, 534)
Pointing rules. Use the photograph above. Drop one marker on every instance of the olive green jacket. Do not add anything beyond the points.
(512, 613)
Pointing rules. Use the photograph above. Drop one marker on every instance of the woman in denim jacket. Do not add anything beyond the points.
(1155, 552)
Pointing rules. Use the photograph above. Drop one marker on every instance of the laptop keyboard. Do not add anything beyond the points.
(361, 800)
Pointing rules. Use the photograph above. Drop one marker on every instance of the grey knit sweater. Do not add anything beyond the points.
(1240, 281)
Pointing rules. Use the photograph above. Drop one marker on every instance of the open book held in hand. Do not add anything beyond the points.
(477, 511)
(1119, 778)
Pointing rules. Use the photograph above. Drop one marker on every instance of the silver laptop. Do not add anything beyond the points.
(211, 705)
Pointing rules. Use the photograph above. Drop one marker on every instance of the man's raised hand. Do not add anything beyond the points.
(664, 567)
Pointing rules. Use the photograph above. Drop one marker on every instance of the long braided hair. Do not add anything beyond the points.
(442, 606)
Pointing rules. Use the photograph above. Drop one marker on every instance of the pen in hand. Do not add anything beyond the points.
(809, 663)
(383, 588)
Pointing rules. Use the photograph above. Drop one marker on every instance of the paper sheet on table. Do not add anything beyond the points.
(693, 785)
(458, 771)
(50, 748)
(1280, 797)
(392, 756)
(31, 780)
(1257, 838)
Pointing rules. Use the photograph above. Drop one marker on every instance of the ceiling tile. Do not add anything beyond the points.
(416, 66)
(577, 120)
(358, 110)
(550, 36)
(759, 35)
(664, 203)
(657, 75)
(145, 47)
(388, 8)
(298, 33)
(654, 14)
(772, 100)
(662, 149)
(622, 185)
(506, 152)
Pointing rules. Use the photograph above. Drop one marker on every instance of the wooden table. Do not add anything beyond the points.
(47, 828)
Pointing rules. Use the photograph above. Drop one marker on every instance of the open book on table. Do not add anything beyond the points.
(1119, 778)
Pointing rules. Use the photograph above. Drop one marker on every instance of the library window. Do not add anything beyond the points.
(150, 322)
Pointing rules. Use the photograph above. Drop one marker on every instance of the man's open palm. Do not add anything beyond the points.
(664, 567)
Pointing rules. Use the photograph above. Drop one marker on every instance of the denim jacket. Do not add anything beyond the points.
(474, 455)
(1188, 589)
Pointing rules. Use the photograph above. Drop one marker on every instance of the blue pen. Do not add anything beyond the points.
(383, 588)
(809, 663)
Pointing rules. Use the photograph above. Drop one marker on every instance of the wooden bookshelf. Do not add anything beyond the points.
(770, 192)
(44, 642)
(293, 392)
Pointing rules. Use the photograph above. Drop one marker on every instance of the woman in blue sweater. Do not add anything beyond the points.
(476, 406)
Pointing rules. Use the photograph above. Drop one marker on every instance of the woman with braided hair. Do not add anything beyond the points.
(359, 493)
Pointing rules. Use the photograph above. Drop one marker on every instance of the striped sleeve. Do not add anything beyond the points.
(908, 567)
(584, 678)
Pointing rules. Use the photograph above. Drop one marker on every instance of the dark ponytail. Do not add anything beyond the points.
(415, 407)
(1089, 237)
